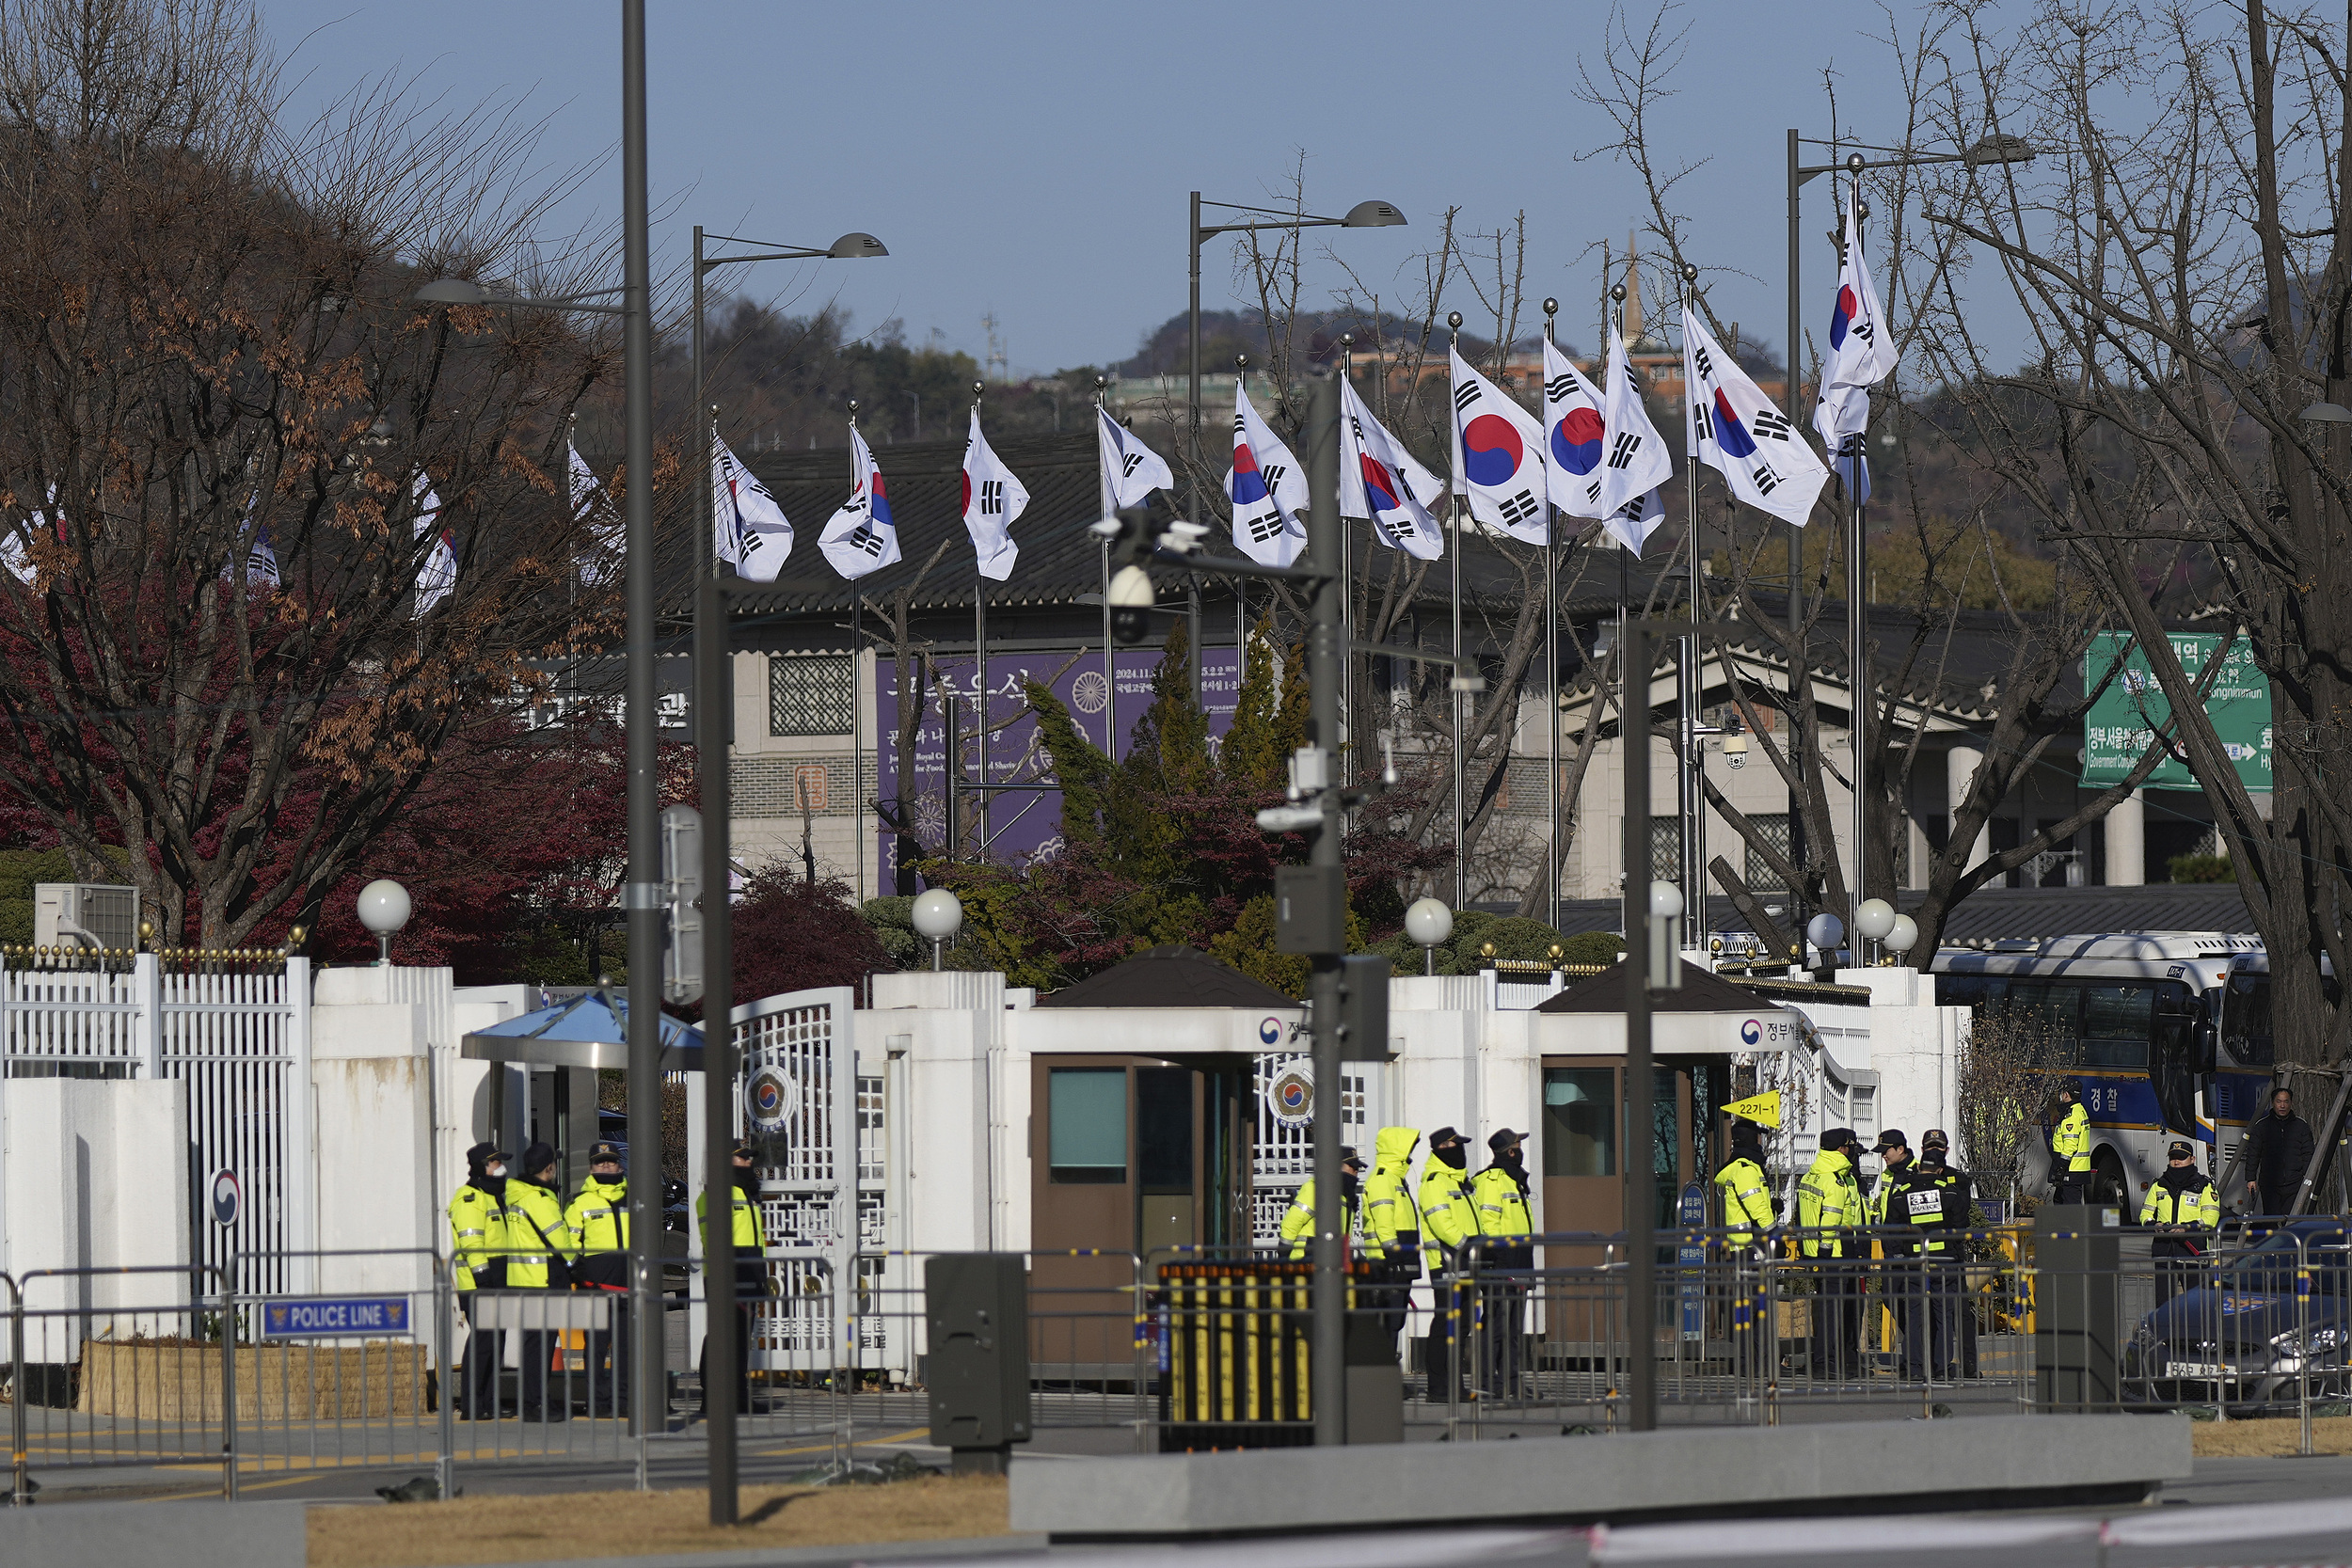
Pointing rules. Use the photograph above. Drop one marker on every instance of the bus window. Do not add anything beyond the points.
(2246, 1020)
(2117, 1021)
(2056, 1008)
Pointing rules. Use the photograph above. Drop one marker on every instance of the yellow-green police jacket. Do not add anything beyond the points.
(1828, 1199)
(1391, 1222)
(1747, 1200)
(478, 1241)
(536, 1235)
(1449, 1216)
(2071, 1141)
(2201, 1208)
(1298, 1220)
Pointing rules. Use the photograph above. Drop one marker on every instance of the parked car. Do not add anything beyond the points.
(2243, 1335)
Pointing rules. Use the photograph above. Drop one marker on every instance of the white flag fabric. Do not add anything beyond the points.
(1131, 470)
(438, 577)
(1862, 354)
(16, 546)
(1736, 430)
(993, 500)
(1631, 524)
(599, 555)
(749, 530)
(1381, 482)
(261, 557)
(1575, 437)
(1498, 455)
(1638, 462)
(1266, 487)
(860, 537)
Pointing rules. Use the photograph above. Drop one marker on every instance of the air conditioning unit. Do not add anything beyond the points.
(85, 914)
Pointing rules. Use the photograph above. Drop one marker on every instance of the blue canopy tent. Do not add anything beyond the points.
(590, 1030)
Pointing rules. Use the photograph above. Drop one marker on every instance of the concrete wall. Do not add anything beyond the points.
(94, 1175)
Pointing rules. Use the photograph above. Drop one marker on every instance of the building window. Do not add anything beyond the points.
(1579, 1121)
(1086, 1124)
(1665, 850)
(808, 694)
(1772, 828)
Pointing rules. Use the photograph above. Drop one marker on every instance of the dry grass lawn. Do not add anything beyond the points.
(2269, 1437)
(502, 1528)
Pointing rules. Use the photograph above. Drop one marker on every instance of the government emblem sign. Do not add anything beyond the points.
(1293, 1096)
(769, 1100)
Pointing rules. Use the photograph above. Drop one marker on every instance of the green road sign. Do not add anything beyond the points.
(2117, 732)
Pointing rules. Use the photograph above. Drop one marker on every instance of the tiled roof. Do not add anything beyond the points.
(1175, 976)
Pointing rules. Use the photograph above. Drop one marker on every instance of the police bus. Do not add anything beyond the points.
(2129, 1015)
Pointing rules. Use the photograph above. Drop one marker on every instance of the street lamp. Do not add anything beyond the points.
(1996, 149)
(1364, 215)
(713, 696)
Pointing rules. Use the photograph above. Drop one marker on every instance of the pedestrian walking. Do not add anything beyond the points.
(1506, 1261)
(2276, 1152)
(751, 1274)
(1829, 1220)
(2185, 1210)
(1298, 1220)
(2070, 1146)
(478, 1249)
(598, 1221)
(1449, 1218)
(1392, 1225)
(539, 1265)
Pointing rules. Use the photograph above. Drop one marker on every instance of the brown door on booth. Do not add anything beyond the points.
(1083, 1191)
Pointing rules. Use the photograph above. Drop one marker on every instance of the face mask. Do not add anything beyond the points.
(1452, 1155)
(746, 1180)
(607, 1178)
(495, 1173)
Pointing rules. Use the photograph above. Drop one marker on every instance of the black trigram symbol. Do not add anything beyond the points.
(1237, 426)
(992, 496)
(1356, 425)
(1263, 526)
(1621, 451)
(1273, 477)
(1592, 491)
(1518, 508)
(868, 539)
(1698, 421)
(1766, 479)
(1129, 463)
(1397, 532)
(1464, 395)
(1559, 387)
(1860, 328)
(1698, 357)
(1772, 424)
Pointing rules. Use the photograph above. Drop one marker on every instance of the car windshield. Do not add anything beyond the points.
(2325, 1245)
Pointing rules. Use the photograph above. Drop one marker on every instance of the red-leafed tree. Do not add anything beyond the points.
(794, 934)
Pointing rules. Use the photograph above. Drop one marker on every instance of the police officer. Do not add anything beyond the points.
(1298, 1220)
(1909, 1203)
(1392, 1222)
(598, 1221)
(1449, 1218)
(2185, 1211)
(1828, 1216)
(540, 1261)
(478, 1249)
(751, 1274)
(1948, 1274)
(1500, 1193)
(2070, 1146)
(1750, 1209)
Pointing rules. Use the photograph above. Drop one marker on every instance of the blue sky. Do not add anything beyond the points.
(1033, 160)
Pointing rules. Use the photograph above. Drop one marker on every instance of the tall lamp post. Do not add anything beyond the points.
(714, 697)
(1364, 215)
(1996, 149)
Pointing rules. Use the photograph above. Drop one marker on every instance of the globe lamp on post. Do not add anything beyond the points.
(1428, 923)
(384, 909)
(938, 915)
(1874, 918)
(1902, 937)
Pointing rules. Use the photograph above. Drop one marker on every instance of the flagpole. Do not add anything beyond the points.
(1799, 667)
(1110, 509)
(1857, 635)
(857, 718)
(979, 639)
(1551, 722)
(1454, 501)
(1348, 579)
(1625, 885)
(1694, 772)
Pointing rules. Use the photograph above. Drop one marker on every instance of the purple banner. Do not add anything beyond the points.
(1021, 823)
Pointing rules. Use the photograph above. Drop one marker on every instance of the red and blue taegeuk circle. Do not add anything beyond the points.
(767, 1097)
(1848, 309)
(1491, 451)
(1294, 1095)
(1576, 440)
(1380, 486)
(1248, 483)
(1730, 433)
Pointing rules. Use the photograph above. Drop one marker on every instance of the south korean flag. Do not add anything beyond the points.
(1381, 482)
(1736, 430)
(1497, 456)
(860, 537)
(749, 530)
(1631, 524)
(1266, 488)
(1636, 462)
(993, 498)
(1575, 441)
